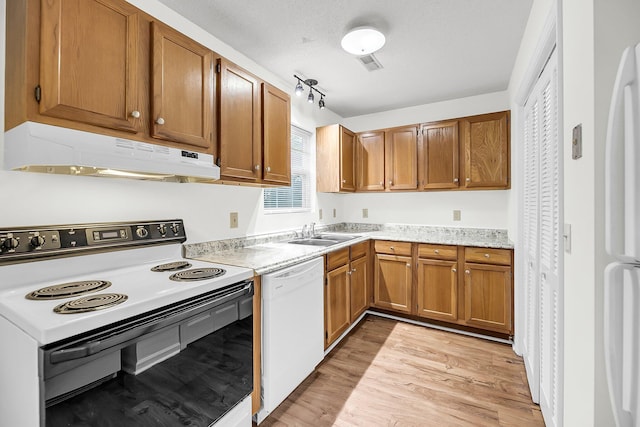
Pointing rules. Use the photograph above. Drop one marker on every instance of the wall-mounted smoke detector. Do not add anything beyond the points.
(370, 62)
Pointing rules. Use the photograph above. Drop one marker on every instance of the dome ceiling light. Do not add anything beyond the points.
(363, 41)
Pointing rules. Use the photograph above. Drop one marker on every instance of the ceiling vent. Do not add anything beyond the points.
(370, 62)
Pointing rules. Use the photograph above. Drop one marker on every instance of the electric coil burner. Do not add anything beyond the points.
(90, 303)
(66, 290)
(196, 274)
(172, 266)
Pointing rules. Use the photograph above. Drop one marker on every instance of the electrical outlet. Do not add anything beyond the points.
(233, 220)
(334, 212)
(365, 213)
(320, 214)
(456, 215)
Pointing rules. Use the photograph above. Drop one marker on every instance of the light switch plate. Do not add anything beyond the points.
(319, 213)
(576, 142)
(334, 212)
(457, 214)
(365, 213)
(233, 220)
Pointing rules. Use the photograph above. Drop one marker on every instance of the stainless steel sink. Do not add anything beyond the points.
(313, 241)
(324, 239)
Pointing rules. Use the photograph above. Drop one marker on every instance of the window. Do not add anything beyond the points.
(297, 196)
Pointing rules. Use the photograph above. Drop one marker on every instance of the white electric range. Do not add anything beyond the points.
(104, 298)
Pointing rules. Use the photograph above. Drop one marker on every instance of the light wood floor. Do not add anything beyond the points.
(388, 373)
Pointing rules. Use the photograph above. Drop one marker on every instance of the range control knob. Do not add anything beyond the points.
(36, 241)
(10, 243)
(175, 228)
(142, 232)
(162, 228)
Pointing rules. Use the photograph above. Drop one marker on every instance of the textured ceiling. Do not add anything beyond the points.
(436, 49)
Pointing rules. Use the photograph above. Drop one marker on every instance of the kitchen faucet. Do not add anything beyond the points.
(313, 229)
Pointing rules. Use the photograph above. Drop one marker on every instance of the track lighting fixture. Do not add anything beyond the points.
(310, 98)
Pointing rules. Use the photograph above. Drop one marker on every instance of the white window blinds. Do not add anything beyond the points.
(296, 197)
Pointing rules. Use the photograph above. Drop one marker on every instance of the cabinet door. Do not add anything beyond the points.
(439, 156)
(182, 90)
(88, 57)
(438, 289)
(239, 110)
(488, 290)
(392, 282)
(370, 161)
(486, 150)
(336, 304)
(347, 160)
(359, 276)
(276, 135)
(401, 159)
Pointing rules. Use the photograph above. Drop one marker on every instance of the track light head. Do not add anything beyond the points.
(321, 102)
(310, 97)
(299, 88)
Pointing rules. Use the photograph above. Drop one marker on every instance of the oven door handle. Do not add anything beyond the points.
(142, 327)
(84, 350)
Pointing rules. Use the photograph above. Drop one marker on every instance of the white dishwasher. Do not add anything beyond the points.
(292, 330)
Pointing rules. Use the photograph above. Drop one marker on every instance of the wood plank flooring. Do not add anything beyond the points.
(388, 373)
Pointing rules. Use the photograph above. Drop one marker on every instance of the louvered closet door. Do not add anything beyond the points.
(531, 348)
(550, 293)
(542, 341)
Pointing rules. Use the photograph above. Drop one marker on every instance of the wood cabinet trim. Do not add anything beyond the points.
(432, 251)
(393, 247)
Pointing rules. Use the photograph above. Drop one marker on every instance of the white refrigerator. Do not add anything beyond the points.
(622, 240)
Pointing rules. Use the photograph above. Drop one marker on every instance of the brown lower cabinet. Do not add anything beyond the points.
(346, 294)
(481, 297)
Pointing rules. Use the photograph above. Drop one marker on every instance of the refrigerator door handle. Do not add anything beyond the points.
(622, 130)
(621, 346)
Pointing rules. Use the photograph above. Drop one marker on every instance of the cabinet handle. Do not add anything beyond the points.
(455, 180)
(486, 255)
(257, 167)
(353, 271)
(468, 180)
(349, 272)
(381, 182)
(544, 276)
(135, 114)
(392, 248)
(454, 270)
(467, 272)
(390, 182)
(159, 121)
(268, 169)
(344, 181)
(408, 265)
(437, 251)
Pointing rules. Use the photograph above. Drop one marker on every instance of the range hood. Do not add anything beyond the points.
(36, 147)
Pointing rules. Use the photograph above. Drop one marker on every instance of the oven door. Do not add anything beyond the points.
(186, 364)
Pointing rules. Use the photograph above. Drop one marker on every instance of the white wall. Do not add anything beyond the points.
(35, 199)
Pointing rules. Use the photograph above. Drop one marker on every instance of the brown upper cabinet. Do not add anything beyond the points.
(182, 107)
(335, 157)
(88, 62)
(276, 135)
(401, 158)
(486, 150)
(239, 111)
(459, 154)
(104, 66)
(438, 155)
(370, 161)
(387, 159)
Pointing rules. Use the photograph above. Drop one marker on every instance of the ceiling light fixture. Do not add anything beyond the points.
(363, 41)
(311, 83)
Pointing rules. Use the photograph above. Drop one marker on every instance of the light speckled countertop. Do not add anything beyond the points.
(268, 253)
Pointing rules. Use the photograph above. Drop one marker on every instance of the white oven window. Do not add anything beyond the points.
(295, 198)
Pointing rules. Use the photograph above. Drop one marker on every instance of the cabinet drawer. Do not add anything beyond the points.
(337, 258)
(438, 251)
(393, 248)
(359, 250)
(488, 255)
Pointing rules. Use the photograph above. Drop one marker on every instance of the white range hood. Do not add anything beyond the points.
(36, 147)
